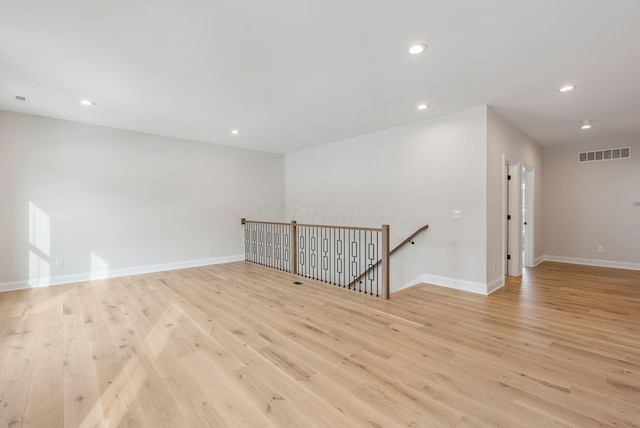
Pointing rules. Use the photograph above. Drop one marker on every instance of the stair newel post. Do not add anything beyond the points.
(294, 248)
(243, 222)
(385, 261)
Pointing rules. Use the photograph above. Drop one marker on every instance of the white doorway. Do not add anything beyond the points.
(512, 219)
(518, 226)
(528, 259)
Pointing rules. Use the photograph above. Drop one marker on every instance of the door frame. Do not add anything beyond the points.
(529, 176)
(511, 229)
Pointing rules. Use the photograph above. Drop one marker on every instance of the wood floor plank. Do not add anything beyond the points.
(13, 400)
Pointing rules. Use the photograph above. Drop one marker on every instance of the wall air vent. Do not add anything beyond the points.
(605, 155)
(22, 99)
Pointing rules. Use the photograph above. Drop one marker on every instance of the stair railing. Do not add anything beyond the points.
(355, 258)
(392, 252)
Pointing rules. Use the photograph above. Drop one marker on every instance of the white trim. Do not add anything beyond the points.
(16, 285)
(89, 276)
(537, 261)
(494, 285)
(530, 177)
(515, 264)
(442, 281)
(417, 280)
(591, 262)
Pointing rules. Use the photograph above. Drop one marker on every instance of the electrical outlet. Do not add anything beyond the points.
(457, 214)
(600, 249)
(211, 248)
(494, 265)
(59, 262)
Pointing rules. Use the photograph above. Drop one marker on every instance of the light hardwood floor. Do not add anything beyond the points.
(240, 345)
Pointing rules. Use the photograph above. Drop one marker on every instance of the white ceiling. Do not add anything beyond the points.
(291, 74)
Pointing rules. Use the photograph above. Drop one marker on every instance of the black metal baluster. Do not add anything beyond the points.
(280, 246)
(350, 257)
(317, 253)
(332, 242)
(246, 241)
(321, 254)
(332, 266)
(370, 256)
(358, 258)
(325, 251)
(365, 248)
(254, 240)
(261, 241)
(268, 244)
(257, 247)
(365, 259)
(263, 237)
(347, 263)
(313, 248)
(306, 252)
(276, 256)
(339, 252)
(271, 247)
(300, 251)
(286, 243)
(280, 233)
(379, 266)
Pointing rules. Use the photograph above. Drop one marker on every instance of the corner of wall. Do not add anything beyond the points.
(441, 281)
(494, 285)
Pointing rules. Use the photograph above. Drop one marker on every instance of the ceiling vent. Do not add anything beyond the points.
(605, 155)
(22, 99)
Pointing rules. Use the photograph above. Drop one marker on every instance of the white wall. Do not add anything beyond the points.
(591, 204)
(405, 177)
(111, 202)
(504, 138)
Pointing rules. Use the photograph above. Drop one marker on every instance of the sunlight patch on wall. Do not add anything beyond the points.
(99, 267)
(39, 229)
(39, 247)
(39, 270)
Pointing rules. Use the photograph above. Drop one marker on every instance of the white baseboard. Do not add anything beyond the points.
(494, 285)
(138, 270)
(417, 280)
(538, 260)
(592, 262)
(442, 281)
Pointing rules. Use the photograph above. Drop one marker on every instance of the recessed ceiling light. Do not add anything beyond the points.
(87, 103)
(422, 106)
(417, 49)
(566, 88)
(586, 125)
(235, 131)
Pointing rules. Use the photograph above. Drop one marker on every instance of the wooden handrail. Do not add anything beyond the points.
(245, 221)
(409, 239)
(397, 248)
(326, 226)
